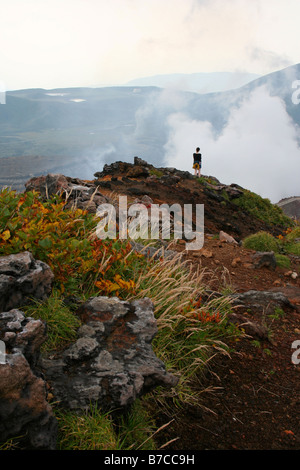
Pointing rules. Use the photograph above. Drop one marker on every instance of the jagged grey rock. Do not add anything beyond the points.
(22, 335)
(262, 301)
(223, 236)
(21, 278)
(140, 161)
(24, 409)
(250, 327)
(48, 185)
(77, 193)
(112, 363)
(264, 259)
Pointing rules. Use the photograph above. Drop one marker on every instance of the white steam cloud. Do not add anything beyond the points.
(92, 161)
(257, 149)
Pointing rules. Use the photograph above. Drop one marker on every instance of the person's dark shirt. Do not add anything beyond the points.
(197, 157)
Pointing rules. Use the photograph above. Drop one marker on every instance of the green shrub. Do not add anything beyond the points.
(294, 249)
(65, 240)
(156, 172)
(293, 234)
(263, 209)
(283, 261)
(261, 241)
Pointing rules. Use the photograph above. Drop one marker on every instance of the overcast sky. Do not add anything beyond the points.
(61, 43)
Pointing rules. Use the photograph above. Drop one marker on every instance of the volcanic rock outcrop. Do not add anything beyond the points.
(24, 409)
(21, 278)
(112, 362)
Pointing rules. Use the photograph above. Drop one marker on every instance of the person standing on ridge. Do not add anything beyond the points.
(197, 162)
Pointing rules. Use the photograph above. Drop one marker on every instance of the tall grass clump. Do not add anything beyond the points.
(282, 261)
(92, 430)
(62, 323)
(293, 249)
(96, 430)
(192, 327)
(261, 241)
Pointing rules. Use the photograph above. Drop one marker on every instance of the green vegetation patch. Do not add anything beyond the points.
(293, 234)
(90, 431)
(261, 241)
(263, 209)
(67, 242)
(283, 245)
(62, 324)
(293, 249)
(207, 179)
(96, 430)
(156, 172)
(283, 261)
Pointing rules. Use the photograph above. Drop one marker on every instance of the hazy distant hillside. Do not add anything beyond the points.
(78, 130)
(281, 84)
(82, 123)
(197, 82)
(95, 124)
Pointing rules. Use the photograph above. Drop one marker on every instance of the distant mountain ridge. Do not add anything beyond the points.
(204, 82)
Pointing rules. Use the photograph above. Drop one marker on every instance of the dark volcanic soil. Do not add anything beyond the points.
(255, 403)
(254, 397)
